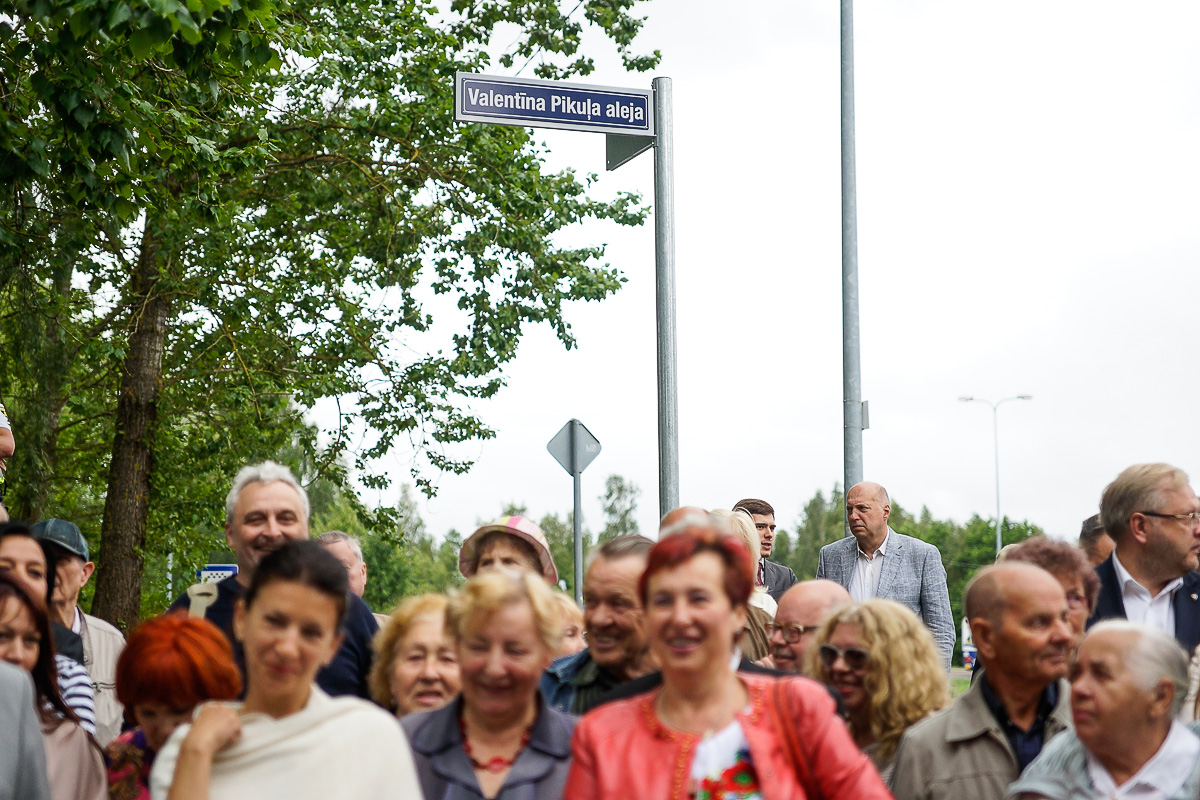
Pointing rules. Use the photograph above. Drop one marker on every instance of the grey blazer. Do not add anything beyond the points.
(540, 772)
(779, 578)
(911, 574)
(23, 756)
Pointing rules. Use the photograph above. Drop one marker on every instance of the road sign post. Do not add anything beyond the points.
(633, 120)
(574, 447)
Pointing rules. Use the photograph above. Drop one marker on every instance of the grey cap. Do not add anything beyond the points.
(64, 534)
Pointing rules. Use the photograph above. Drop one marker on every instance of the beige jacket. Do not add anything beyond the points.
(962, 753)
(102, 644)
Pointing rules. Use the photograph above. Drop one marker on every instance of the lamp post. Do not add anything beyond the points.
(996, 443)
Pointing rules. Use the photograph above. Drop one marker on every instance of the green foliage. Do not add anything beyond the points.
(620, 507)
(286, 181)
(560, 534)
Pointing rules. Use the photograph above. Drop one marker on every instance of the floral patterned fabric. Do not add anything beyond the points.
(722, 768)
(129, 760)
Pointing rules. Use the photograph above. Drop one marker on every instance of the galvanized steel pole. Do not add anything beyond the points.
(664, 261)
(852, 410)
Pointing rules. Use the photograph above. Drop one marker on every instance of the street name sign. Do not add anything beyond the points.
(571, 106)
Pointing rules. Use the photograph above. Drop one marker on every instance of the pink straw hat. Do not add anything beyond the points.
(520, 527)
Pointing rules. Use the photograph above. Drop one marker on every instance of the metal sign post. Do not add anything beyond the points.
(634, 120)
(574, 448)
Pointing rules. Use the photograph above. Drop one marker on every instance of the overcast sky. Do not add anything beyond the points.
(1029, 223)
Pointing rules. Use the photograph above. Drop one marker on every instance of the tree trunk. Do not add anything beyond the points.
(36, 459)
(126, 506)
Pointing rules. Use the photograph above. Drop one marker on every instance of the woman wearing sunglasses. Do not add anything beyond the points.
(888, 669)
(709, 732)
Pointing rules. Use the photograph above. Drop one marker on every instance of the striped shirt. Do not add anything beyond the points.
(75, 686)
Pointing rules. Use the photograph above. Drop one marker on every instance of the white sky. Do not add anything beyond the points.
(1029, 223)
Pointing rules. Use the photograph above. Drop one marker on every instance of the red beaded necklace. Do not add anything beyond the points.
(496, 764)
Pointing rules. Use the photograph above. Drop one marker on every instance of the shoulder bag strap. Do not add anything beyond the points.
(791, 740)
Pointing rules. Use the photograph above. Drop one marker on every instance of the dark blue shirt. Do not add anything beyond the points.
(346, 674)
(1025, 744)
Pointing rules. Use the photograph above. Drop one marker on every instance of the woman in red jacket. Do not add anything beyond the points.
(711, 733)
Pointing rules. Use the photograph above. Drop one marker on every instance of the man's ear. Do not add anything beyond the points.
(229, 536)
(1139, 525)
(88, 569)
(887, 511)
(984, 635)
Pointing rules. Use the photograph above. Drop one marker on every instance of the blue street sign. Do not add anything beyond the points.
(552, 104)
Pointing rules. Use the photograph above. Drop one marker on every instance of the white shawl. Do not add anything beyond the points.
(333, 747)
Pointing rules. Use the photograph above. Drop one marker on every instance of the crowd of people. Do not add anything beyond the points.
(697, 667)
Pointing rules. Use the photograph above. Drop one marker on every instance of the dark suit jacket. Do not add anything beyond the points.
(1110, 605)
(778, 578)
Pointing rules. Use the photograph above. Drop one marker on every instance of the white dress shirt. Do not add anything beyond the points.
(1157, 611)
(1159, 778)
(864, 583)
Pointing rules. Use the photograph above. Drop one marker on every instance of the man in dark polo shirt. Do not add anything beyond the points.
(266, 507)
(614, 622)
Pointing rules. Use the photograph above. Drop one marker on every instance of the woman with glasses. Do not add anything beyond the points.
(710, 732)
(887, 668)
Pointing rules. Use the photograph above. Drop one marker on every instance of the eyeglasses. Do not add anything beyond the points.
(791, 633)
(1190, 518)
(856, 658)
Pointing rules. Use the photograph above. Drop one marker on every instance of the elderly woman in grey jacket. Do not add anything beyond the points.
(1127, 687)
(499, 739)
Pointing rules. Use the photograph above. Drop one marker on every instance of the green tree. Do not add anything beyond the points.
(257, 204)
(560, 534)
(620, 500)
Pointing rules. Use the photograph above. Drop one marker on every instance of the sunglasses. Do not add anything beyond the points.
(856, 658)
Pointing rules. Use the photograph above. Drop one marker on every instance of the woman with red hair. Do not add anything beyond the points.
(710, 732)
(169, 665)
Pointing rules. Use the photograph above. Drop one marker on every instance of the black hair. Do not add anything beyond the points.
(304, 562)
(45, 671)
(49, 551)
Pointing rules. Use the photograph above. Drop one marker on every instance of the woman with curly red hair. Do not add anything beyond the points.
(169, 665)
(710, 732)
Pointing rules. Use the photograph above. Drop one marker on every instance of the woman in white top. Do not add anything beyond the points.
(288, 738)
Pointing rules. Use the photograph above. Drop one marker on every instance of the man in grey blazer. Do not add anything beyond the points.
(878, 562)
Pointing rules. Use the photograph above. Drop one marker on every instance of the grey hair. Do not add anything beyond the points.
(333, 537)
(1155, 656)
(266, 472)
(1139, 488)
(631, 545)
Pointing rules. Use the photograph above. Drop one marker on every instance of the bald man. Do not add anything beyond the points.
(875, 561)
(982, 742)
(801, 611)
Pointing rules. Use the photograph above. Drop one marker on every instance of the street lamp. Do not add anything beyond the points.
(996, 442)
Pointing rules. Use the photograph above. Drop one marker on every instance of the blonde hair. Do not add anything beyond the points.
(491, 590)
(905, 680)
(387, 642)
(741, 524)
(570, 611)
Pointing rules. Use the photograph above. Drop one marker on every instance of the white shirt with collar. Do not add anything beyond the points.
(864, 582)
(1157, 611)
(1159, 778)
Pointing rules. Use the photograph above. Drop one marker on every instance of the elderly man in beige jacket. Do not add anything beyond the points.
(980, 744)
(102, 643)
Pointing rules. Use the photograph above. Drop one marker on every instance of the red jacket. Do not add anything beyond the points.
(622, 750)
